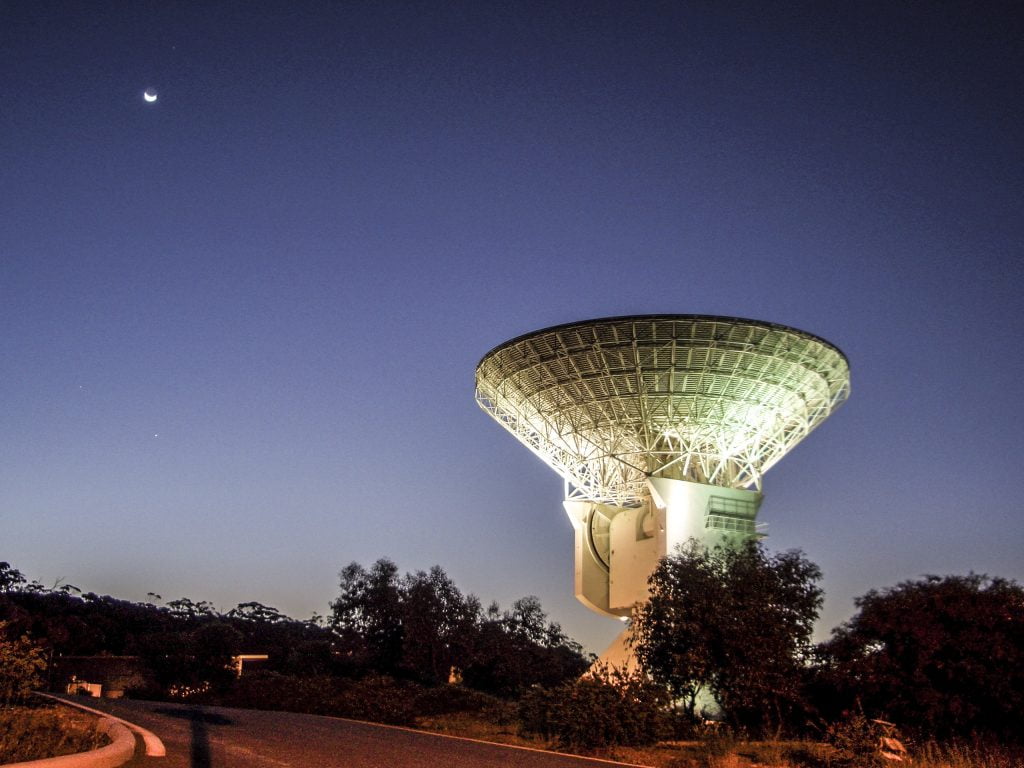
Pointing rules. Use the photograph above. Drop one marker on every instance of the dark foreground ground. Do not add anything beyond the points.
(219, 737)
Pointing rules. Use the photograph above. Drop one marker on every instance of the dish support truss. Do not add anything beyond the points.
(610, 403)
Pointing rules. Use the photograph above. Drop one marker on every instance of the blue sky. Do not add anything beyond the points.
(240, 324)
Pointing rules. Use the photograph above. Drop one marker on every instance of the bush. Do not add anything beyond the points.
(378, 699)
(34, 733)
(859, 742)
(446, 699)
(21, 667)
(942, 656)
(598, 711)
(273, 691)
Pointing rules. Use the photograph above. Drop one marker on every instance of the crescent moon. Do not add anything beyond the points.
(149, 95)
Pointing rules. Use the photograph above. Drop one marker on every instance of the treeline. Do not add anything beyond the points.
(421, 627)
(936, 658)
(416, 629)
(726, 633)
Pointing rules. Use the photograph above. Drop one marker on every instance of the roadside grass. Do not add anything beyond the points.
(934, 755)
(727, 753)
(41, 731)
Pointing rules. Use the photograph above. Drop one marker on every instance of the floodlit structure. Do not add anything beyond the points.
(662, 427)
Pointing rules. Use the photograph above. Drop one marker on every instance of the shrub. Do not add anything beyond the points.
(378, 699)
(446, 699)
(597, 711)
(21, 667)
(33, 733)
(859, 742)
(943, 656)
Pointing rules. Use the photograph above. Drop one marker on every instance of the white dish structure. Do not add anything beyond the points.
(662, 427)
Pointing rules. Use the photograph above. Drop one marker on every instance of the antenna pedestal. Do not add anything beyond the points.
(617, 548)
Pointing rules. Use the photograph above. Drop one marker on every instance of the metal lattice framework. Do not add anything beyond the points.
(608, 403)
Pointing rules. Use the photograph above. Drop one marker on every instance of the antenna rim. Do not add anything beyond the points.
(767, 325)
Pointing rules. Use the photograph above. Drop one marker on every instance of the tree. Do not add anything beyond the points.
(942, 655)
(11, 579)
(257, 612)
(438, 625)
(185, 608)
(367, 615)
(21, 666)
(420, 626)
(213, 647)
(520, 648)
(527, 620)
(735, 622)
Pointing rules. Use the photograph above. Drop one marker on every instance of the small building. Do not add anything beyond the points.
(248, 662)
(106, 676)
(111, 676)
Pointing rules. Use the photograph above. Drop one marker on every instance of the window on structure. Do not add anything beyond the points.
(733, 515)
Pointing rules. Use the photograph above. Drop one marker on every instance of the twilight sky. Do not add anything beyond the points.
(240, 325)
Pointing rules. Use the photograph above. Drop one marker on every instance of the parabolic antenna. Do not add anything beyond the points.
(662, 427)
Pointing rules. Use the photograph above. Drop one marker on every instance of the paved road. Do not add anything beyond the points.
(218, 737)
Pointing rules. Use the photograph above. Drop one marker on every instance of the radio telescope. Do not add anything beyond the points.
(662, 427)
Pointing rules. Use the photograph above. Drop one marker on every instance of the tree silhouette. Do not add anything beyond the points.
(943, 655)
(735, 621)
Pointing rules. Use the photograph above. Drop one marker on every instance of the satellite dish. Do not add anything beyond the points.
(662, 427)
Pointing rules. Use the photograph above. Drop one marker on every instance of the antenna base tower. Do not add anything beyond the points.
(617, 548)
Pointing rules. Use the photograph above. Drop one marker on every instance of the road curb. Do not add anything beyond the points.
(118, 752)
(154, 747)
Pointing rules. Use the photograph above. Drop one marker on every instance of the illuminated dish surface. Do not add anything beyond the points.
(610, 402)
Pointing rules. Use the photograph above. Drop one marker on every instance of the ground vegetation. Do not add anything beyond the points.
(22, 663)
(932, 664)
(605, 708)
(420, 627)
(385, 630)
(36, 732)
